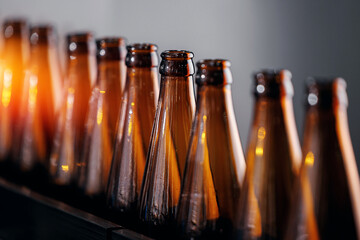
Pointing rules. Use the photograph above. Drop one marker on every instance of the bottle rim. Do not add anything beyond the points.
(108, 42)
(79, 37)
(213, 72)
(273, 83)
(43, 33)
(324, 91)
(142, 47)
(213, 63)
(177, 55)
(13, 27)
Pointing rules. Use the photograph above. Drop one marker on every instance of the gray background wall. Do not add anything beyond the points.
(308, 37)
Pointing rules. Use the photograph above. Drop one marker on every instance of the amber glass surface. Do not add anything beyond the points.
(326, 201)
(215, 165)
(70, 127)
(104, 108)
(169, 142)
(273, 159)
(134, 130)
(41, 100)
(15, 55)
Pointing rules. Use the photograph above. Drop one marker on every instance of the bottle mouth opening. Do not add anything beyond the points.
(79, 37)
(109, 42)
(213, 63)
(177, 55)
(142, 47)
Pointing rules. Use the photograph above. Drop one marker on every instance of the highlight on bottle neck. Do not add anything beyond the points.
(14, 28)
(80, 43)
(42, 34)
(326, 92)
(111, 49)
(177, 63)
(142, 55)
(213, 72)
(273, 84)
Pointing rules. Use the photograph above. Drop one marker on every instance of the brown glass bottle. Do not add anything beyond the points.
(273, 159)
(134, 130)
(326, 204)
(215, 165)
(104, 108)
(41, 101)
(169, 142)
(70, 129)
(15, 55)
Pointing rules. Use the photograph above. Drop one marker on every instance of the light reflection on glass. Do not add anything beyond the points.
(312, 99)
(6, 92)
(99, 116)
(309, 159)
(65, 168)
(259, 149)
(33, 93)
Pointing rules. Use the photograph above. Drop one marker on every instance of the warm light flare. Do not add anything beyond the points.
(259, 151)
(309, 159)
(33, 92)
(6, 92)
(99, 116)
(261, 133)
(65, 168)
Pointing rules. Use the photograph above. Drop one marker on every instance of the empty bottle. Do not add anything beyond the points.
(134, 130)
(15, 55)
(70, 128)
(326, 201)
(169, 142)
(41, 101)
(104, 108)
(215, 165)
(273, 159)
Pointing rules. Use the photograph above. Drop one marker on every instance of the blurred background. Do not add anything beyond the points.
(310, 38)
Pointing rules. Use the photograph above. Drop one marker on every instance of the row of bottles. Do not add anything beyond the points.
(164, 163)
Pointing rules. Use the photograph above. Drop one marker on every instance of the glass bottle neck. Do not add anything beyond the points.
(214, 98)
(109, 71)
(277, 114)
(81, 67)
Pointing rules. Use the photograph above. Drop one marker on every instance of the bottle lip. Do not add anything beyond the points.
(80, 42)
(108, 42)
(110, 49)
(142, 47)
(79, 37)
(177, 55)
(273, 83)
(324, 91)
(13, 26)
(41, 33)
(212, 72)
(213, 63)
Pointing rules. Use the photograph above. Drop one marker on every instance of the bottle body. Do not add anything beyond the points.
(40, 103)
(70, 126)
(273, 158)
(215, 163)
(325, 205)
(133, 132)
(104, 107)
(168, 145)
(15, 56)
